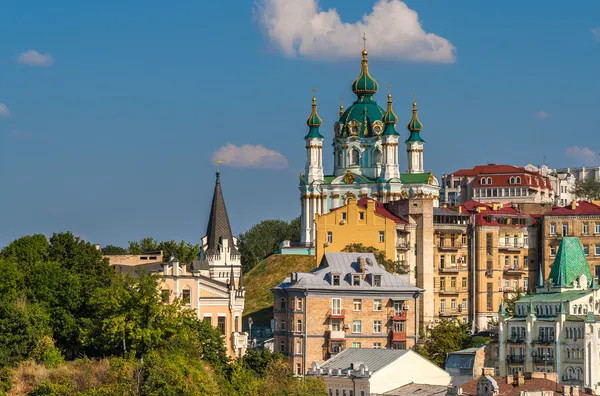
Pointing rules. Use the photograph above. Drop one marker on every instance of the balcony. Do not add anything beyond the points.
(545, 340)
(515, 359)
(448, 314)
(398, 315)
(337, 335)
(512, 247)
(450, 246)
(336, 314)
(402, 245)
(398, 335)
(514, 270)
(451, 269)
(335, 347)
(516, 339)
(449, 290)
(543, 359)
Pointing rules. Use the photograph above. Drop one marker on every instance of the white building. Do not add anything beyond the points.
(563, 182)
(362, 372)
(558, 328)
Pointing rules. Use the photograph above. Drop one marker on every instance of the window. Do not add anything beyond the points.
(344, 216)
(221, 324)
(282, 325)
(355, 280)
(299, 325)
(516, 262)
(354, 157)
(329, 237)
(357, 305)
(526, 240)
(516, 241)
(298, 347)
(507, 283)
(361, 215)
(356, 345)
(336, 280)
(377, 305)
(525, 283)
(299, 304)
(483, 181)
(336, 306)
(586, 250)
(565, 229)
(464, 303)
(376, 157)
(489, 296)
(518, 180)
(356, 326)
(443, 305)
(442, 259)
(512, 180)
(398, 306)
(453, 304)
(207, 319)
(552, 228)
(464, 283)
(377, 326)
(453, 282)
(377, 280)
(381, 236)
(282, 303)
(164, 295)
(516, 284)
(336, 324)
(298, 369)
(506, 261)
(282, 346)
(597, 228)
(377, 345)
(597, 252)
(553, 250)
(586, 228)
(442, 283)
(186, 297)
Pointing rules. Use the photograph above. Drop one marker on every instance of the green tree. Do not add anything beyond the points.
(11, 281)
(587, 189)
(142, 246)
(390, 265)
(185, 252)
(509, 302)
(28, 249)
(113, 250)
(263, 239)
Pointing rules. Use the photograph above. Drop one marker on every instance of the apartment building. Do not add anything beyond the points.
(350, 301)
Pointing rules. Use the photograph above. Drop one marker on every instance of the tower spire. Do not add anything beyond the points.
(390, 118)
(364, 83)
(314, 121)
(219, 228)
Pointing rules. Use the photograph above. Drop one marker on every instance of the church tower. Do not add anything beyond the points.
(219, 246)
(391, 170)
(414, 143)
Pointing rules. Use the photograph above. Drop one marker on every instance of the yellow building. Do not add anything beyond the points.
(211, 286)
(365, 221)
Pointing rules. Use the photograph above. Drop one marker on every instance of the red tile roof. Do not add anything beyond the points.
(489, 169)
(501, 174)
(531, 385)
(582, 208)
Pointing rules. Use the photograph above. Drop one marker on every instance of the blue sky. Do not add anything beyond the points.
(109, 126)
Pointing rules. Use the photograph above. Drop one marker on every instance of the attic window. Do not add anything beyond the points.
(335, 279)
(355, 280)
(377, 280)
(483, 181)
(518, 180)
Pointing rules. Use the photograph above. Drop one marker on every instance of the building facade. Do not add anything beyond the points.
(350, 301)
(558, 328)
(212, 286)
(562, 183)
(366, 160)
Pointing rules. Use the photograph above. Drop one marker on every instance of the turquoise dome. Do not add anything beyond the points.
(414, 126)
(314, 122)
(364, 83)
(390, 119)
(361, 114)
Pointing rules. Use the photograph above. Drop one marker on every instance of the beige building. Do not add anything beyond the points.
(350, 301)
(211, 286)
(369, 372)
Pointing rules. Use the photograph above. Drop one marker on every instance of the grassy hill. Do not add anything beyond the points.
(266, 274)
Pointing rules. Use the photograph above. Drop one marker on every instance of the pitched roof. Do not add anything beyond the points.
(581, 208)
(570, 263)
(490, 169)
(374, 359)
(380, 209)
(531, 384)
(218, 227)
(419, 390)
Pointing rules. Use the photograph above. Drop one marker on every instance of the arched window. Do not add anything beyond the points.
(299, 325)
(569, 373)
(518, 180)
(377, 157)
(578, 373)
(354, 157)
(512, 180)
(580, 310)
(568, 353)
(482, 181)
(282, 307)
(489, 180)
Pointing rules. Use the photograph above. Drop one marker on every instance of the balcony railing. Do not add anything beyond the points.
(398, 335)
(398, 315)
(512, 246)
(512, 269)
(449, 290)
(544, 359)
(336, 314)
(336, 335)
(515, 359)
(452, 268)
(449, 313)
(545, 340)
(517, 339)
(402, 245)
(450, 246)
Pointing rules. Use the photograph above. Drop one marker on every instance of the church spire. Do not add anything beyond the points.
(218, 229)
(414, 126)
(364, 83)
(540, 280)
(314, 121)
(390, 118)
(231, 280)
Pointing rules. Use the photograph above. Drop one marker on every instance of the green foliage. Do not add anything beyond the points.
(47, 354)
(587, 189)
(448, 336)
(185, 252)
(390, 265)
(11, 281)
(509, 302)
(113, 250)
(263, 239)
(260, 361)
(28, 249)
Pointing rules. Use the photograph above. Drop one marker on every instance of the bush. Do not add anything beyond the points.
(47, 354)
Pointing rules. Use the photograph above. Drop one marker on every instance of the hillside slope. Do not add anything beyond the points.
(266, 274)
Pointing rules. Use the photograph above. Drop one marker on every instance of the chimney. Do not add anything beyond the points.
(459, 209)
(574, 204)
(361, 266)
(520, 379)
(510, 379)
(488, 371)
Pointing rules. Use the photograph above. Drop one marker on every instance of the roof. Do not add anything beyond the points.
(314, 122)
(570, 263)
(447, 212)
(419, 390)
(565, 296)
(490, 169)
(531, 384)
(374, 359)
(415, 178)
(581, 208)
(463, 359)
(346, 264)
(379, 209)
(218, 227)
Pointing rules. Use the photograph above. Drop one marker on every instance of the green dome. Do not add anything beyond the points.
(390, 119)
(364, 84)
(314, 122)
(414, 126)
(362, 114)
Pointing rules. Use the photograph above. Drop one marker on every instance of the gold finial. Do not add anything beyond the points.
(414, 100)
(218, 161)
(341, 106)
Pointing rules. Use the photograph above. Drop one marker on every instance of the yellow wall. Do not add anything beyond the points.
(354, 230)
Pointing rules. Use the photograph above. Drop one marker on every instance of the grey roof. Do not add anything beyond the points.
(374, 359)
(346, 264)
(469, 350)
(447, 212)
(218, 223)
(419, 390)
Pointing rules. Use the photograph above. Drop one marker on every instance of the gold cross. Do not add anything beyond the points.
(389, 88)
(314, 92)
(415, 96)
(364, 41)
(218, 162)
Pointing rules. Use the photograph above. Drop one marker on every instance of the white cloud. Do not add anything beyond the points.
(393, 31)
(34, 58)
(541, 115)
(583, 155)
(4, 110)
(596, 33)
(250, 156)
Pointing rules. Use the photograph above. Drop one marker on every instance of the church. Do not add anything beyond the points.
(366, 161)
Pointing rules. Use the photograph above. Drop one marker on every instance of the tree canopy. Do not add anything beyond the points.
(392, 266)
(587, 189)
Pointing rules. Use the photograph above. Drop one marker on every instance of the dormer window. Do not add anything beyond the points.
(512, 180)
(356, 280)
(377, 280)
(518, 180)
(335, 279)
(489, 180)
(483, 180)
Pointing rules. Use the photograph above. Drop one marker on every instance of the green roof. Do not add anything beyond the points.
(569, 264)
(314, 122)
(364, 83)
(415, 136)
(414, 178)
(364, 111)
(565, 296)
